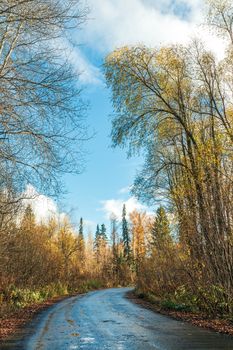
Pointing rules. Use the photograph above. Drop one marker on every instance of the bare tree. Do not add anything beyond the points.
(40, 105)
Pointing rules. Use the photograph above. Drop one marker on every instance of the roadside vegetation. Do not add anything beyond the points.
(174, 104)
(41, 134)
(47, 260)
(42, 261)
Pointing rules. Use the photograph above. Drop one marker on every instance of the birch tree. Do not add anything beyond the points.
(40, 104)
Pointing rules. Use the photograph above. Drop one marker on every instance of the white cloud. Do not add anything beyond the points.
(88, 73)
(125, 190)
(43, 207)
(114, 207)
(116, 23)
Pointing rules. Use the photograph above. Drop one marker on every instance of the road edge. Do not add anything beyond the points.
(199, 320)
(14, 324)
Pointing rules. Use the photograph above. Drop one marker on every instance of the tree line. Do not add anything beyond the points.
(43, 259)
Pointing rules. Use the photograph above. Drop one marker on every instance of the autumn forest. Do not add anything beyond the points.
(174, 106)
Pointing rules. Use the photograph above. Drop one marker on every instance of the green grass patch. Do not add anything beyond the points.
(13, 298)
(170, 305)
(165, 304)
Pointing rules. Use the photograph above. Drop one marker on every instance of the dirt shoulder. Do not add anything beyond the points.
(201, 320)
(13, 322)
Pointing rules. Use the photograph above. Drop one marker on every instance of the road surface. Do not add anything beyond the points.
(107, 320)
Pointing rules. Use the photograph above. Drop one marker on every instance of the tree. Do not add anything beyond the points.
(97, 242)
(28, 221)
(41, 109)
(138, 238)
(175, 104)
(103, 234)
(161, 233)
(97, 236)
(125, 235)
(219, 16)
(80, 231)
(81, 242)
(68, 246)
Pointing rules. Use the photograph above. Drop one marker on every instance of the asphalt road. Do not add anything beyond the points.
(107, 320)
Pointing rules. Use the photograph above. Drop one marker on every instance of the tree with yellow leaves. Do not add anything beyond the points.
(175, 103)
(138, 237)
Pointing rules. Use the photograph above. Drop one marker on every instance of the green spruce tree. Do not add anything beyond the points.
(80, 231)
(125, 235)
(97, 243)
(81, 243)
(161, 233)
(103, 234)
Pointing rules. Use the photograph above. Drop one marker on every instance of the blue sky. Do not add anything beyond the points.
(104, 185)
(108, 173)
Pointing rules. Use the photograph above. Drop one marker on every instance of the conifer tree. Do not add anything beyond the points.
(161, 233)
(97, 242)
(81, 244)
(125, 235)
(80, 231)
(97, 237)
(97, 233)
(103, 233)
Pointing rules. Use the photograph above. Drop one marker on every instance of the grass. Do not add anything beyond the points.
(14, 298)
(165, 304)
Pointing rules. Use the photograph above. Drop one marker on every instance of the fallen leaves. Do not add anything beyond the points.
(13, 322)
